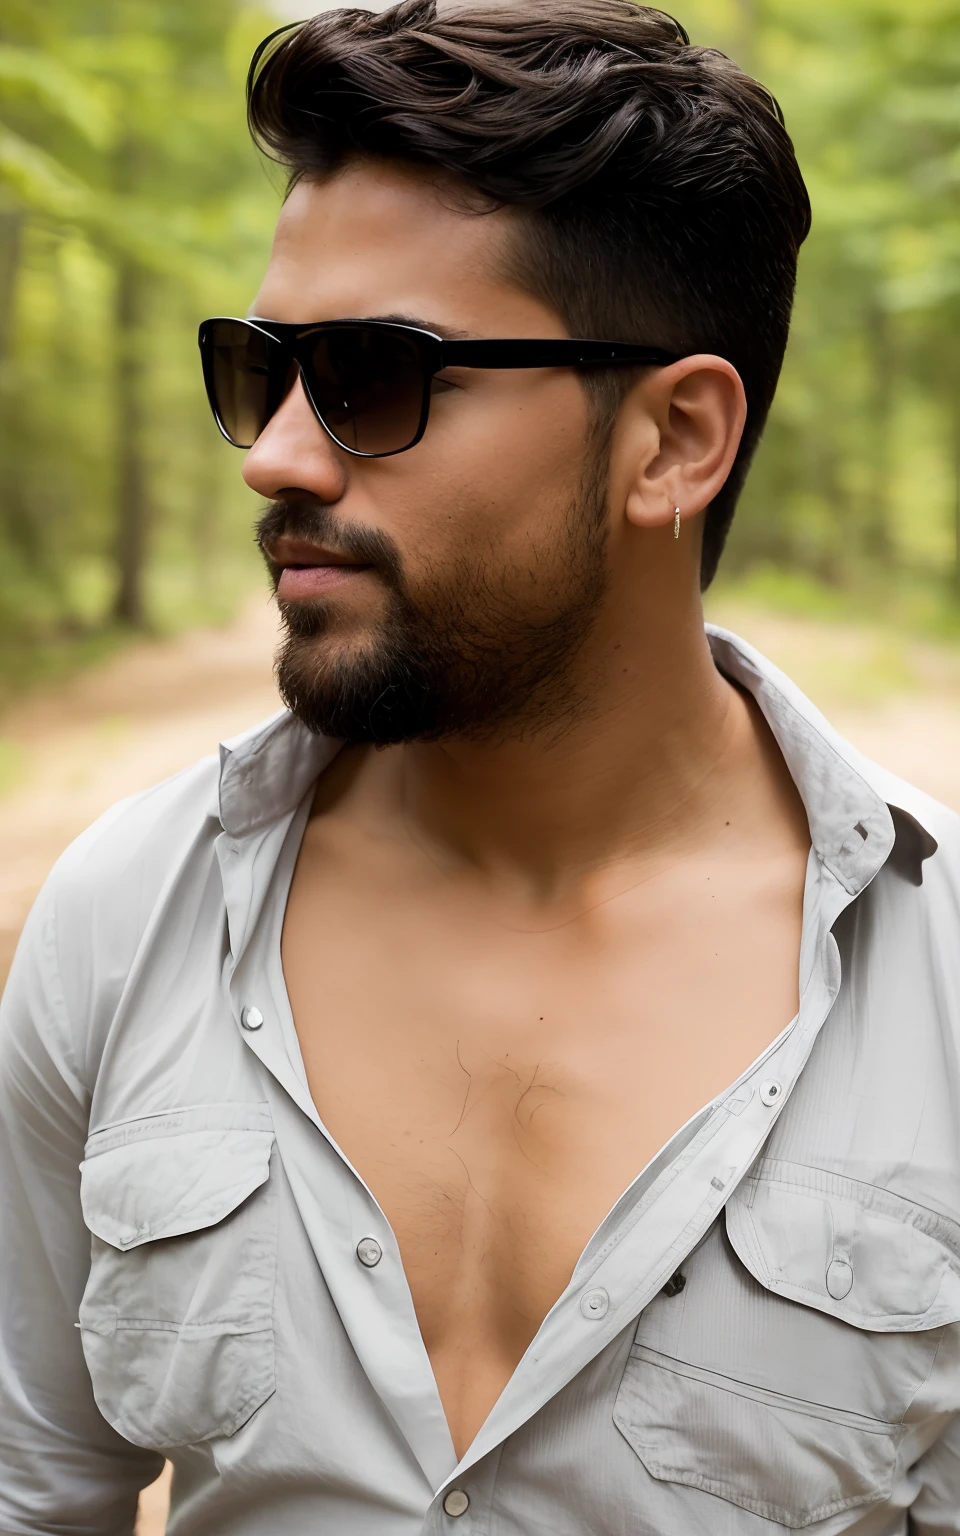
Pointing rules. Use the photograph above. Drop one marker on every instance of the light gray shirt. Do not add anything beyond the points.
(762, 1335)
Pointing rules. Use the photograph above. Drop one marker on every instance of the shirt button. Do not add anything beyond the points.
(839, 1279)
(251, 1018)
(771, 1092)
(369, 1251)
(456, 1502)
(595, 1304)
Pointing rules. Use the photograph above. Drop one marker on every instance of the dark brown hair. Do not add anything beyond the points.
(666, 204)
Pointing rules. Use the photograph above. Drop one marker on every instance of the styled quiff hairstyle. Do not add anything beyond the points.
(665, 202)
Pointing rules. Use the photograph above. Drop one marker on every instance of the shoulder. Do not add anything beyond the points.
(927, 846)
(101, 897)
(848, 797)
(121, 863)
(88, 923)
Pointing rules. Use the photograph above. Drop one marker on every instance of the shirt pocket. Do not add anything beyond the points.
(780, 1377)
(177, 1315)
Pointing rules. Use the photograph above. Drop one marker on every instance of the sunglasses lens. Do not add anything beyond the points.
(368, 386)
(241, 373)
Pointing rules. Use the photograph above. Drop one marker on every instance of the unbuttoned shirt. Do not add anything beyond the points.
(762, 1335)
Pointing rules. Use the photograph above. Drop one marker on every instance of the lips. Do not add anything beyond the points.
(286, 551)
(298, 582)
(309, 570)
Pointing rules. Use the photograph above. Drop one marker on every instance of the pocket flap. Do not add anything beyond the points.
(168, 1185)
(859, 1252)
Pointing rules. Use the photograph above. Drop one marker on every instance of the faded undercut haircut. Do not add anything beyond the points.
(665, 204)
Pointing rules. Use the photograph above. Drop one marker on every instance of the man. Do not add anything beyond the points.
(515, 1091)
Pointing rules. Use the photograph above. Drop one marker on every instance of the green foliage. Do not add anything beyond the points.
(131, 203)
(858, 479)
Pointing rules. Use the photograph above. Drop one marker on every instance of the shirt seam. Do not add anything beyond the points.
(56, 993)
(848, 1185)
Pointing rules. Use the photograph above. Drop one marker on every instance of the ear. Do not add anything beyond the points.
(677, 436)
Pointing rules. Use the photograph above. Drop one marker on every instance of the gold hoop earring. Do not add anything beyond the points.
(676, 523)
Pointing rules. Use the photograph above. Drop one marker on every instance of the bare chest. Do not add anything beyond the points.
(498, 1090)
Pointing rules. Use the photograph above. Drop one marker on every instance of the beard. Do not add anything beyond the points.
(478, 651)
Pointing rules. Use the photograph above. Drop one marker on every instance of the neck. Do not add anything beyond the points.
(640, 773)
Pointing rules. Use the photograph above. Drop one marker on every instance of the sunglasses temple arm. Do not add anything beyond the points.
(550, 354)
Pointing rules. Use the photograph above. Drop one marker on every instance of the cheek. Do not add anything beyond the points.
(534, 429)
(494, 475)
(515, 455)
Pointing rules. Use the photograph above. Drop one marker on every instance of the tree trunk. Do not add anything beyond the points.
(132, 513)
(748, 27)
(13, 514)
(11, 233)
(882, 363)
(956, 447)
(206, 519)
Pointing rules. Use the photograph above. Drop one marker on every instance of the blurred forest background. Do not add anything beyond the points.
(131, 204)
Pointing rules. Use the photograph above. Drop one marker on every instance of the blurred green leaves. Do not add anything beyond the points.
(82, 103)
(858, 479)
(131, 203)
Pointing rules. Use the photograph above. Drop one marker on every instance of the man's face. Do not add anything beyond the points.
(446, 590)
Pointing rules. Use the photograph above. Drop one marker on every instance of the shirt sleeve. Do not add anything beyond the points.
(936, 1509)
(63, 1470)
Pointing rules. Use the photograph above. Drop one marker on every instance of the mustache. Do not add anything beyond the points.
(311, 519)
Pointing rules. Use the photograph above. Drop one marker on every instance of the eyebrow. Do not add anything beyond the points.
(448, 332)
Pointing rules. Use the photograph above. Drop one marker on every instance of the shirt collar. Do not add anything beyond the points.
(266, 771)
(855, 809)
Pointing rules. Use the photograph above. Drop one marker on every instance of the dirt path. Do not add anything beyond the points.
(159, 706)
(116, 730)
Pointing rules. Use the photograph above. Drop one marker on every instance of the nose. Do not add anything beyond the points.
(293, 452)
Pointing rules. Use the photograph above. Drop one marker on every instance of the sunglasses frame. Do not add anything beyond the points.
(436, 352)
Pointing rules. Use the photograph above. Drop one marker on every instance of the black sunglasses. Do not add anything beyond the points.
(368, 381)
